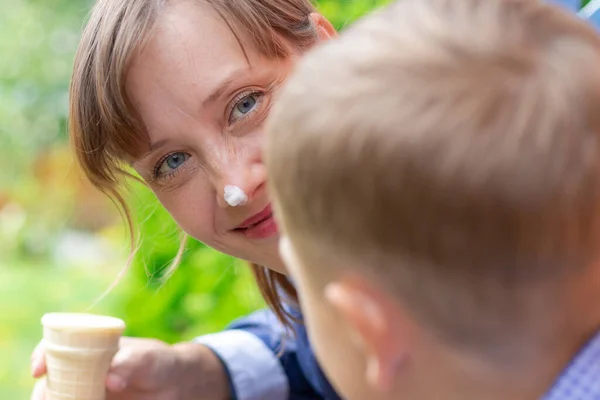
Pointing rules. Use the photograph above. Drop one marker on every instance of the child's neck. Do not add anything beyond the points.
(468, 379)
(460, 377)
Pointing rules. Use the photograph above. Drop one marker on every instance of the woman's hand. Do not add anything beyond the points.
(146, 369)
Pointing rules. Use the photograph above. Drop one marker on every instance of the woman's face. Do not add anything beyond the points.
(203, 105)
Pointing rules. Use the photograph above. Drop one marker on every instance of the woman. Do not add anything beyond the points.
(179, 91)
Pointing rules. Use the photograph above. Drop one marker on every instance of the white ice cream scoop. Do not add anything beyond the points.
(234, 196)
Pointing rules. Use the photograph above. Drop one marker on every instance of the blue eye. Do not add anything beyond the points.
(245, 106)
(171, 163)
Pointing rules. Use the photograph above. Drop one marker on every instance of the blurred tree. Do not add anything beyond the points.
(38, 184)
(38, 40)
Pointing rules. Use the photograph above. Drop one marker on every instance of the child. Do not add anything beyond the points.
(436, 174)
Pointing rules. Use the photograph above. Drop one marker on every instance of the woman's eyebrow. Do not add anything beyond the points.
(151, 149)
(223, 86)
(155, 146)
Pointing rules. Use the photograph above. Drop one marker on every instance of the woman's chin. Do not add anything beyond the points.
(266, 254)
(262, 251)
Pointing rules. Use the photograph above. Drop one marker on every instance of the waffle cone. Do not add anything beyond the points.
(79, 349)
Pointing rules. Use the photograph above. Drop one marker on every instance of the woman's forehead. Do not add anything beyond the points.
(190, 38)
(191, 60)
(190, 54)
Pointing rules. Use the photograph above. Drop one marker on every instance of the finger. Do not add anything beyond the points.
(115, 382)
(39, 390)
(122, 368)
(38, 361)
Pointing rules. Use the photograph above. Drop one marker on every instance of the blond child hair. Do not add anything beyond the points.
(450, 150)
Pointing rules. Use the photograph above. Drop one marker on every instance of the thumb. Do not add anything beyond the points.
(38, 361)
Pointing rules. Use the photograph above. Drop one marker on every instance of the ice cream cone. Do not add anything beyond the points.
(79, 349)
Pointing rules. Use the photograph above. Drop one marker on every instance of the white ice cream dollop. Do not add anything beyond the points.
(234, 196)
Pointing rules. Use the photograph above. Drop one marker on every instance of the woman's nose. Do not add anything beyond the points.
(241, 184)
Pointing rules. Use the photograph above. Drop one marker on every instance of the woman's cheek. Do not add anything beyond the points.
(191, 211)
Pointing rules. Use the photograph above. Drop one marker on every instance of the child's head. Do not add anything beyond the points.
(437, 174)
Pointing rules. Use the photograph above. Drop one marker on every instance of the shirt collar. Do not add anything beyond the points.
(581, 379)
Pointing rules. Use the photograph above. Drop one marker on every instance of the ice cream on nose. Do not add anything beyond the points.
(234, 196)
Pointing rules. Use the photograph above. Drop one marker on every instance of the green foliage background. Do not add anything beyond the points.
(43, 198)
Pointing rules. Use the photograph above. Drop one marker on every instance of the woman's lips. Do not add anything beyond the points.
(263, 230)
(259, 226)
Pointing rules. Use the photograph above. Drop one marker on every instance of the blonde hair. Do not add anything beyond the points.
(451, 145)
(104, 127)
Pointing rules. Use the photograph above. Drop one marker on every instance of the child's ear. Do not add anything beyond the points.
(325, 29)
(375, 326)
